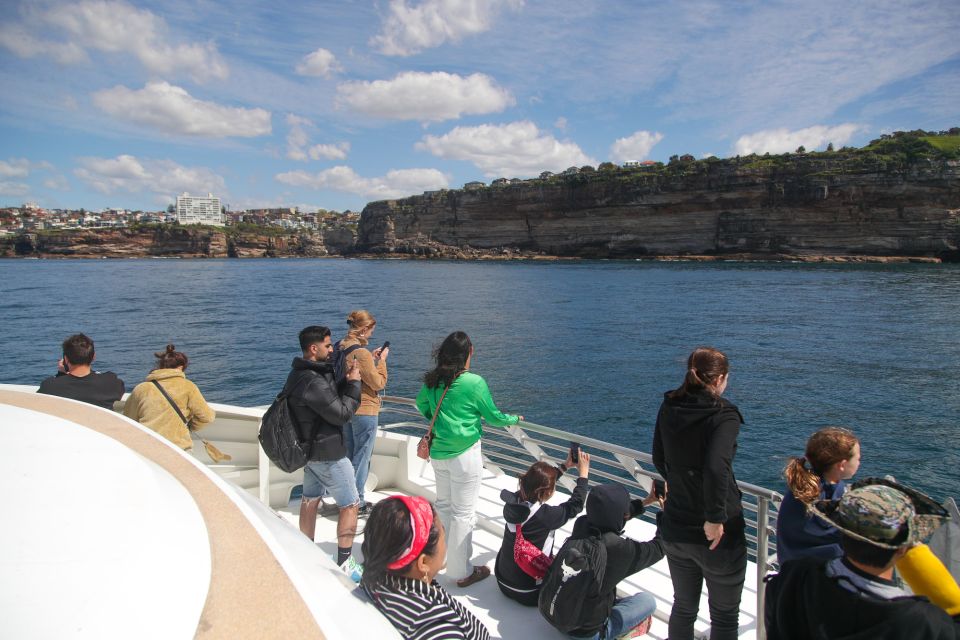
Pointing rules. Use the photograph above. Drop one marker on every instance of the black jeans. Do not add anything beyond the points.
(723, 569)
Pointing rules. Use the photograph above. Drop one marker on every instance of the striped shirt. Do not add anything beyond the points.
(422, 611)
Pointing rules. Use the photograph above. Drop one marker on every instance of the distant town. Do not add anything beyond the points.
(203, 210)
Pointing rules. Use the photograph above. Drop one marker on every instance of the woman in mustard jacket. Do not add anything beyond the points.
(148, 406)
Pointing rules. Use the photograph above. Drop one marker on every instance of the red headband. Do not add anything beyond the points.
(421, 521)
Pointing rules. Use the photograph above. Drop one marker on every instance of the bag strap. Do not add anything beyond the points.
(173, 404)
(215, 454)
(436, 411)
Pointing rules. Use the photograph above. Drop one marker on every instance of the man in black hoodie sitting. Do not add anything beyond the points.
(321, 406)
(602, 615)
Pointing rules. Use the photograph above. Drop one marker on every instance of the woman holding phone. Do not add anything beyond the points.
(461, 400)
(702, 526)
(361, 431)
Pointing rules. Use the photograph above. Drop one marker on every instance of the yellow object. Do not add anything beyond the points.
(147, 406)
(927, 576)
(215, 454)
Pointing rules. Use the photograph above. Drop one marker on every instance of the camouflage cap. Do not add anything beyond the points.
(884, 513)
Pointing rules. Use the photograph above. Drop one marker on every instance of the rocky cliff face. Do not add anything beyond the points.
(183, 242)
(811, 206)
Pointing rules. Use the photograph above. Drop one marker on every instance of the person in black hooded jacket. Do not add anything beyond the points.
(608, 508)
(538, 521)
(322, 406)
(702, 523)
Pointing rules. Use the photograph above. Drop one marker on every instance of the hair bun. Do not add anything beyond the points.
(171, 348)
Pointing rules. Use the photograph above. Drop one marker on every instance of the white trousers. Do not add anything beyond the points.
(458, 490)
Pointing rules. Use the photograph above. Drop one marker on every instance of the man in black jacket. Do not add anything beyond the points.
(321, 407)
(608, 509)
(855, 597)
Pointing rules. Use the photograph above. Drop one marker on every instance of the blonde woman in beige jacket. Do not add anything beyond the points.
(361, 431)
(148, 406)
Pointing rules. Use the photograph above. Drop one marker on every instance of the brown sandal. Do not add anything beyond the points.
(479, 573)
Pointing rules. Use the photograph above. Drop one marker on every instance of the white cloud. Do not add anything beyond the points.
(635, 147)
(57, 182)
(298, 139)
(14, 168)
(24, 45)
(396, 184)
(561, 123)
(784, 140)
(164, 178)
(13, 189)
(171, 109)
(113, 27)
(320, 63)
(510, 150)
(329, 151)
(817, 57)
(410, 28)
(427, 97)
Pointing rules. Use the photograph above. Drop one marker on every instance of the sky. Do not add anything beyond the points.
(334, 104)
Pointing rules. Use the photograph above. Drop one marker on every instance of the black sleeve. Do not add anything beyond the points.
(658, 459)
(555, 516)
(643, 554)
(120, 386)
(718, 465)
(334, 407)
(626, 557)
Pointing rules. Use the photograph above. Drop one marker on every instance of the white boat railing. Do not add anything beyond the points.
(515, 448)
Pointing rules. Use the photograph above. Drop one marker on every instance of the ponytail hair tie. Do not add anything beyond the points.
(802, 460)
(421, 521)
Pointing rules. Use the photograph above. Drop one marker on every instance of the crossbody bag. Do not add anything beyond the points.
(215, 454)
(423, 447)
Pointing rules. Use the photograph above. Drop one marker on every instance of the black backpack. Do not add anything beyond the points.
(574, 578)
(339, 360)
(280, 436)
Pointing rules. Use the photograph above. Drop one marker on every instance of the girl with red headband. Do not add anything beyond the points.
(404, 547)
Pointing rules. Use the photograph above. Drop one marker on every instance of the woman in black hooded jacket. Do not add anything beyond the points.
(702, 524)
(538, 521)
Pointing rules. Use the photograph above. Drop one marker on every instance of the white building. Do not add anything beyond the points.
(199, 210)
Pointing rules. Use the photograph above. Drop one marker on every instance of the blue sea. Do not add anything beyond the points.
(588, 347)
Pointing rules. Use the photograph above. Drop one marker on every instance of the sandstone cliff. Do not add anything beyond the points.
(786, 206)
(184, 242)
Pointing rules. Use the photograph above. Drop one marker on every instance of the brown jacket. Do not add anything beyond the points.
(373, 377)
(147, 406)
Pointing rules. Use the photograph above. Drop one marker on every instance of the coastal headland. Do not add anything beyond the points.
(822, 206)
(898, 199)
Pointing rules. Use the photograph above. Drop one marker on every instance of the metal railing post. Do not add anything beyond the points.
(537, 452)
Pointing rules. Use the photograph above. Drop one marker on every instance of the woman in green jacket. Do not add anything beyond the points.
(455, 449)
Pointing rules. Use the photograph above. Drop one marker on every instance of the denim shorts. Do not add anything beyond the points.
(336, 476)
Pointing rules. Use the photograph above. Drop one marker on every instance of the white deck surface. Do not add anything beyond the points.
(507, 619)
(75, 565)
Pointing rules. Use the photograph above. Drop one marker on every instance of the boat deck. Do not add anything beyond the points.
(504, 617)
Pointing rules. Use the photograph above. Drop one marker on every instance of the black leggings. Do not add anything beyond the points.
(723, 569)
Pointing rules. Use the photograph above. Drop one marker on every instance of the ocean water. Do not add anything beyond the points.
(587, 347)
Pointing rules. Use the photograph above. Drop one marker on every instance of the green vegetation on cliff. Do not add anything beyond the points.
(889, 152)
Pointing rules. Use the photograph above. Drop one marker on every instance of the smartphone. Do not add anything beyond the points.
(386, 345)
(575, 452)
(659, 488)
